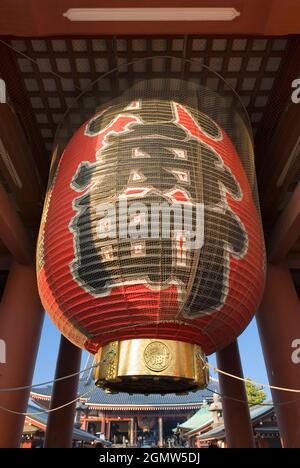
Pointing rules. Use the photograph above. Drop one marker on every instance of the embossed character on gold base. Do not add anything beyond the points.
(151, 366)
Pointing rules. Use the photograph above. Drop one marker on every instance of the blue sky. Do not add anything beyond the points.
(250, 349)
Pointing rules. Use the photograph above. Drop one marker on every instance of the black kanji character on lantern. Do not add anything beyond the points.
(163, 155)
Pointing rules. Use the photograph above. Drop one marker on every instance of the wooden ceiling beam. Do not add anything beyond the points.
(6, 261)
(282, 164)
(293, 261)
(28, 18)
(277, 137)
(12, 232)
(18, 96)
(18, 167)
(286, 231)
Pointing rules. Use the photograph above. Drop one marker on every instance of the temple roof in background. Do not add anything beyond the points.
(96, 398)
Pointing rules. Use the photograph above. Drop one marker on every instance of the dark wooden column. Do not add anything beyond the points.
(238, 427)
(103, 424)
(61, 423)
(160, 432)
(21, 320)
(278, 323)
(131, 432)
(108, 430)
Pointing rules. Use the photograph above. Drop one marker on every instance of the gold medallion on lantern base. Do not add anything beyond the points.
(151, 366)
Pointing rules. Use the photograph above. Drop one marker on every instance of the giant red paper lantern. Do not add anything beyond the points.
(150, 303)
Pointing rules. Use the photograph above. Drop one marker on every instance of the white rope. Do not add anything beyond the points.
(42, 384)
(273, 387)
(46, 411)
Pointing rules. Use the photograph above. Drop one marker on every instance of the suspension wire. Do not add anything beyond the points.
(45, 411)
(206, 365)
(91, 390)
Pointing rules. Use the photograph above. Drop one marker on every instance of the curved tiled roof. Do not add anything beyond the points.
(203, 417)
(95, 397)
(256, 412)
(78, 434)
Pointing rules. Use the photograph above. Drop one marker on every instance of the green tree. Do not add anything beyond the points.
(255, 394)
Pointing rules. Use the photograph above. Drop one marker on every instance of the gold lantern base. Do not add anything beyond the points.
(151, 366)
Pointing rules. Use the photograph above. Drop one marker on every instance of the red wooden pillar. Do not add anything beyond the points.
(60, 424)
(238, 427)
(278, 323)
(21, 320)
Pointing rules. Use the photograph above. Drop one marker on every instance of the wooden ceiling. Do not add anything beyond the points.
(61, 68)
